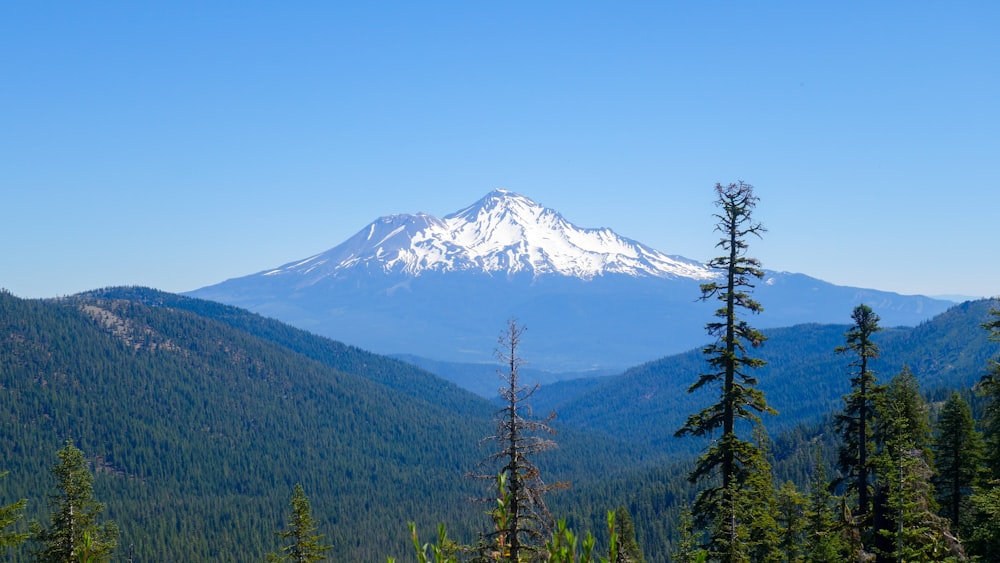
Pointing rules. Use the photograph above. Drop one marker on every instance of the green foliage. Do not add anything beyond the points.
(628, 547)
(958, 457)
(984, 536)
(790, 517)
(919, 534)
(10, 515)
(74, 533)
(903, 415)
(182, 404)
(855, 423)
(946, 352)
(828, 532)
(563, 547)
(688, 549)
(729, 362)
(306, 545)
(989, 387)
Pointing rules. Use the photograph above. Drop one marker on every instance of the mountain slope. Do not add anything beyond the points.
(199, 418)
(803, 379)
(440, 288)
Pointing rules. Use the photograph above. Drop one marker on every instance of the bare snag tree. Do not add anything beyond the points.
(522, 520)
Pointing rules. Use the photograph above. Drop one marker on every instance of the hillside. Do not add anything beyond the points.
(804, 379)
(199, 418)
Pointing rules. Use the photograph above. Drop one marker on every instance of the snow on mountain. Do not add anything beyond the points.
(504, 232)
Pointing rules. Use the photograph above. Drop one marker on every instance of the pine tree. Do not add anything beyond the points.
(989, 387)
(688, 550)
(901, 408)
(792, 523)
(827, 531)
(984, 534)
(917, 533)
(728, 459)
(958, 455)
(628, 548)
(526, 522)
(906, 525)
(305, 544)
(9, 515)
(74, 533)
(856, 421)
(757, 506)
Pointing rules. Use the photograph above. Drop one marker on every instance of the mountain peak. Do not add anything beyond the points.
(504, 232)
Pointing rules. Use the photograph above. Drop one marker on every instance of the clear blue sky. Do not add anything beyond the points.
(178, 144)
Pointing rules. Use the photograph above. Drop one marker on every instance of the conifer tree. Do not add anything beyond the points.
(984, 533)
(527, 522)
(958, 455)
(9, 515)
(688, 550)
(628, 548)
(827, 531)
(906, 525)
(989, 387)
(305, 544)
(757, 507)
(727, 462)
(792, 523)
(901, 408)
(74, 533)
(855, 423)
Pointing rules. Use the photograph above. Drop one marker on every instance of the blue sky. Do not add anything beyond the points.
(178, 144)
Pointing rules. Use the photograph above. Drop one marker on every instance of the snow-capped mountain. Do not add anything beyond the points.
(502, 233)
(442, 288)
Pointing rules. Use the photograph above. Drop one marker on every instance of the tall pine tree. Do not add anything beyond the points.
(728, 460)
(74, 533)
(855, 423)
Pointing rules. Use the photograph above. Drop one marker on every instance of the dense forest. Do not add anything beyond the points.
(198, 419)
(137, 425)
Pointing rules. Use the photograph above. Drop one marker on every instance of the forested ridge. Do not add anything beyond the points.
(648, 402)
(197, 420)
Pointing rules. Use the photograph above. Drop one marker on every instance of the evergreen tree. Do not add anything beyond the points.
(74, 533)
(628, 548)
(306, 545)
(688, 550)
(827, 530)
(9, 515)
(989, 387)
(984, 534)
(855, 422)
(792, 523)
(757, 509)
(917, 533)
(906, 525)
(901, 408)
(728, 460)
(958, 455)
(526, 521)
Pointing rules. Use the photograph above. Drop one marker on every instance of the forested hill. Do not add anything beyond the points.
(804, 378)
(198, 419)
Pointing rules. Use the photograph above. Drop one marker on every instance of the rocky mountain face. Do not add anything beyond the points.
(442, 288)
